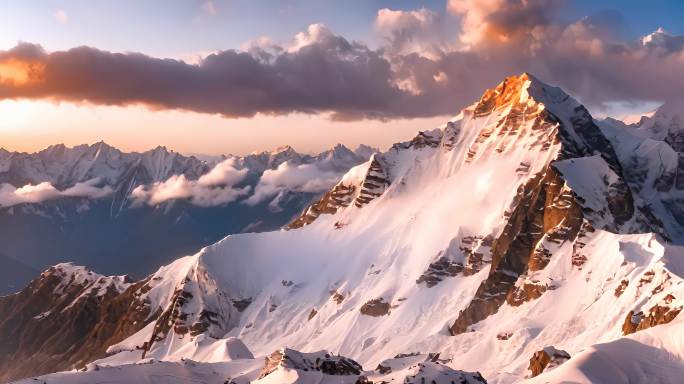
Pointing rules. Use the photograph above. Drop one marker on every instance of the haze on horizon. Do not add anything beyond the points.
(218, 77)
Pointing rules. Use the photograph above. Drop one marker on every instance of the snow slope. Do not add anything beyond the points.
(655, 355)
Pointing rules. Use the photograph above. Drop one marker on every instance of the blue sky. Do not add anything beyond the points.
(176, 28)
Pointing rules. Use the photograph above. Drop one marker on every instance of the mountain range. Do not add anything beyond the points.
(80, 204)
(522, 241)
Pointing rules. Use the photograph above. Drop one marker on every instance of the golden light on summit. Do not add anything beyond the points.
(18, 72)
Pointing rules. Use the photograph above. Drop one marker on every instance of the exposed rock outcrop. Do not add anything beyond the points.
(415, 368)
(374, 184)
(343, 194)
(322, 361)
(466, 256)
(376, 307)
(658, 314)
(526, 292)
(438, 270)
(339, 196)
(547, 359)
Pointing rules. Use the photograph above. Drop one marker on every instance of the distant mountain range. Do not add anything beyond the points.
(77, 204)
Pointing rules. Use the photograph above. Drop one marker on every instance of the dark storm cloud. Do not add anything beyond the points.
(334, 76)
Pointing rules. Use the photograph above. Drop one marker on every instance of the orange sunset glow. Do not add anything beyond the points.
(17, 72)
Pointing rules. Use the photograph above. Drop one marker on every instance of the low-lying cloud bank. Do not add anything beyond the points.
(10, 195)
(213, 188)
(294, 178)
(218, 186)
(223, 184)
(423, 68)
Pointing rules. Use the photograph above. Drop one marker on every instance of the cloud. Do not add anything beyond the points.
(291, 177)
(320, 73)
(216, 187)
(223, 173)
(10, 195)
(420, 70)
(419, 31)
(88, 189)
(62, 16)
(485, 21)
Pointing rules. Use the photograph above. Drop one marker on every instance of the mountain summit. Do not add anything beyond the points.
(513, 241)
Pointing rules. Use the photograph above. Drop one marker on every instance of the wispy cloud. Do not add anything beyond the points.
(291, 177)
(11, 195)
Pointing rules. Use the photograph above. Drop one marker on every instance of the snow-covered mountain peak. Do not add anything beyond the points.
(64, 166)
(666, 124)
(521, 122)
(524, 114)
(72, 276)
(365, 150)
(505, 242)
(522, 89)
(661, 39)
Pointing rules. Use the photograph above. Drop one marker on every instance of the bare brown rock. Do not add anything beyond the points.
(524, 293)
(376, 308)
(546, 359)
(661, 313)
(337, 297)
(621, 288)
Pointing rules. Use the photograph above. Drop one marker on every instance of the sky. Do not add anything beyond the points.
(235, 77)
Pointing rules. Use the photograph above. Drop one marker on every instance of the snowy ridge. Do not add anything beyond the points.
(651, 152)
(91, 283)
(63, 167)
(514, 228)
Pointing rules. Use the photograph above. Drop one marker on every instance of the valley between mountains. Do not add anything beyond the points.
(522, 241)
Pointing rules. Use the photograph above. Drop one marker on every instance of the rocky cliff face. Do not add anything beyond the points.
(545, 216)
